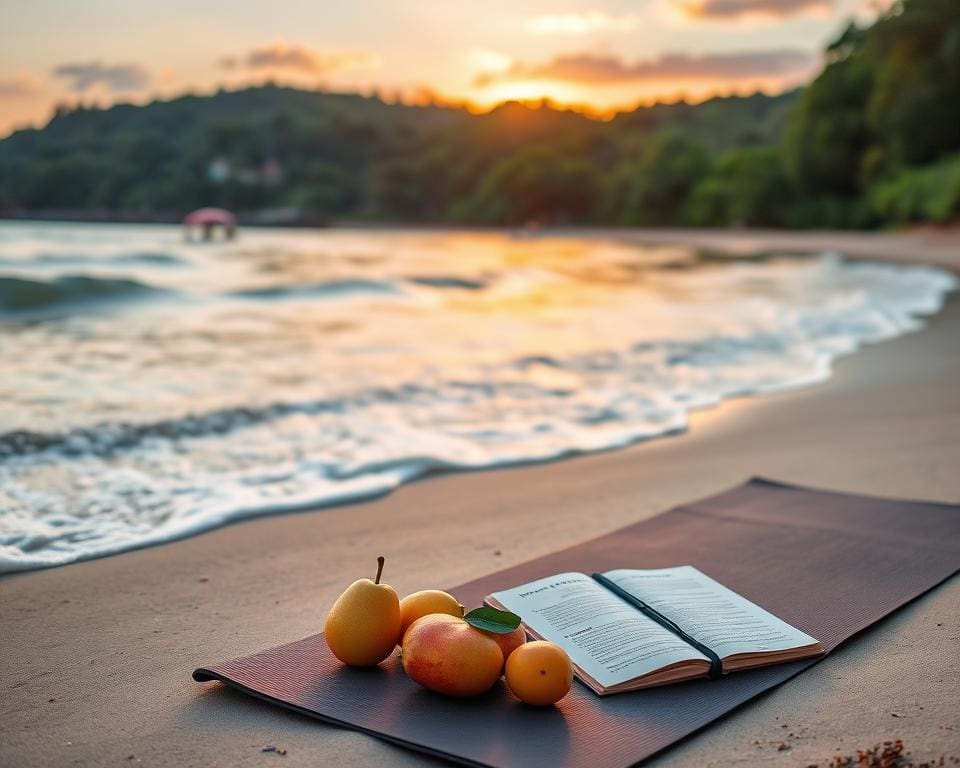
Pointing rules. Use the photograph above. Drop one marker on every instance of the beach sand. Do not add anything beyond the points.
(95, 658)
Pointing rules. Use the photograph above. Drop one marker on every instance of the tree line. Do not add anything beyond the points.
(874, 140)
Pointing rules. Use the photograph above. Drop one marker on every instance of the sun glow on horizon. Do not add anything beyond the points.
(604, 104)
(532, 94)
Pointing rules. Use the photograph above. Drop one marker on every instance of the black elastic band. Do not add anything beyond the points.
(716, 665)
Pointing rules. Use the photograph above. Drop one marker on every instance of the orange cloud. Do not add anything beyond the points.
(280, 55)
(581, 23)
(736, 9)
(19, 85)
(597, 69)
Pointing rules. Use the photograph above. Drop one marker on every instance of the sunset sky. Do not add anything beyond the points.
(602, 55)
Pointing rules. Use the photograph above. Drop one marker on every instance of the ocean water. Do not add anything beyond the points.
(152, 388)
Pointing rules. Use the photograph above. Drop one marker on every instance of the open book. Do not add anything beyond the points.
(629, 629)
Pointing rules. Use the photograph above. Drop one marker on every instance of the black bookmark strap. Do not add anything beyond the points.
(716, 665)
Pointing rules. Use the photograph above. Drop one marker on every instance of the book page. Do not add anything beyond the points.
(718, 617)
(610, 640)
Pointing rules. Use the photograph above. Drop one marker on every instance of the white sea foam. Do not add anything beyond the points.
(290, 370)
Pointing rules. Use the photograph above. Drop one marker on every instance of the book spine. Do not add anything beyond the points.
(716, 665)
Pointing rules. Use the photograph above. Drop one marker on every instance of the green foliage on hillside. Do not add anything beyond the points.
(348, 156)
(873, 140)
(888, 101)
(929, 193)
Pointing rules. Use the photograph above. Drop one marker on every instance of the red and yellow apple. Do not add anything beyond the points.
(447, 655)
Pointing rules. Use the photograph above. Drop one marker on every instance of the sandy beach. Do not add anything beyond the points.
(97, 656)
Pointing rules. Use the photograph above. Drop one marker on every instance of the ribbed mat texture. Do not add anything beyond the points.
(830, 564)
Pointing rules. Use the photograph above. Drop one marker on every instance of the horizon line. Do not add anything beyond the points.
(411, 99)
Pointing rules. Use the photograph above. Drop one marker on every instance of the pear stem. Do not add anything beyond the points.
(380, 562)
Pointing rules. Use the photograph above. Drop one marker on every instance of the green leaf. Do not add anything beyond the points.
(492, 620)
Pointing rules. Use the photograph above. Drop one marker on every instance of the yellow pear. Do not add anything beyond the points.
(363, 626)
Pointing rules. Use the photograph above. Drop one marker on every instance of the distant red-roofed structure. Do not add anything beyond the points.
(206, 220)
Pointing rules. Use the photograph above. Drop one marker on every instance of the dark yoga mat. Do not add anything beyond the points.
(831, 564)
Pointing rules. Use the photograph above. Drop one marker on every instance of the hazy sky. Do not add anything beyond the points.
(603, 54)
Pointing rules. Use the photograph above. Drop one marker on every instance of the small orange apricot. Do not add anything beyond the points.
(425, 602)
(539, 673)
(508, 642)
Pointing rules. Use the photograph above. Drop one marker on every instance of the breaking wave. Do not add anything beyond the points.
(25, 295)
(134, 427)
